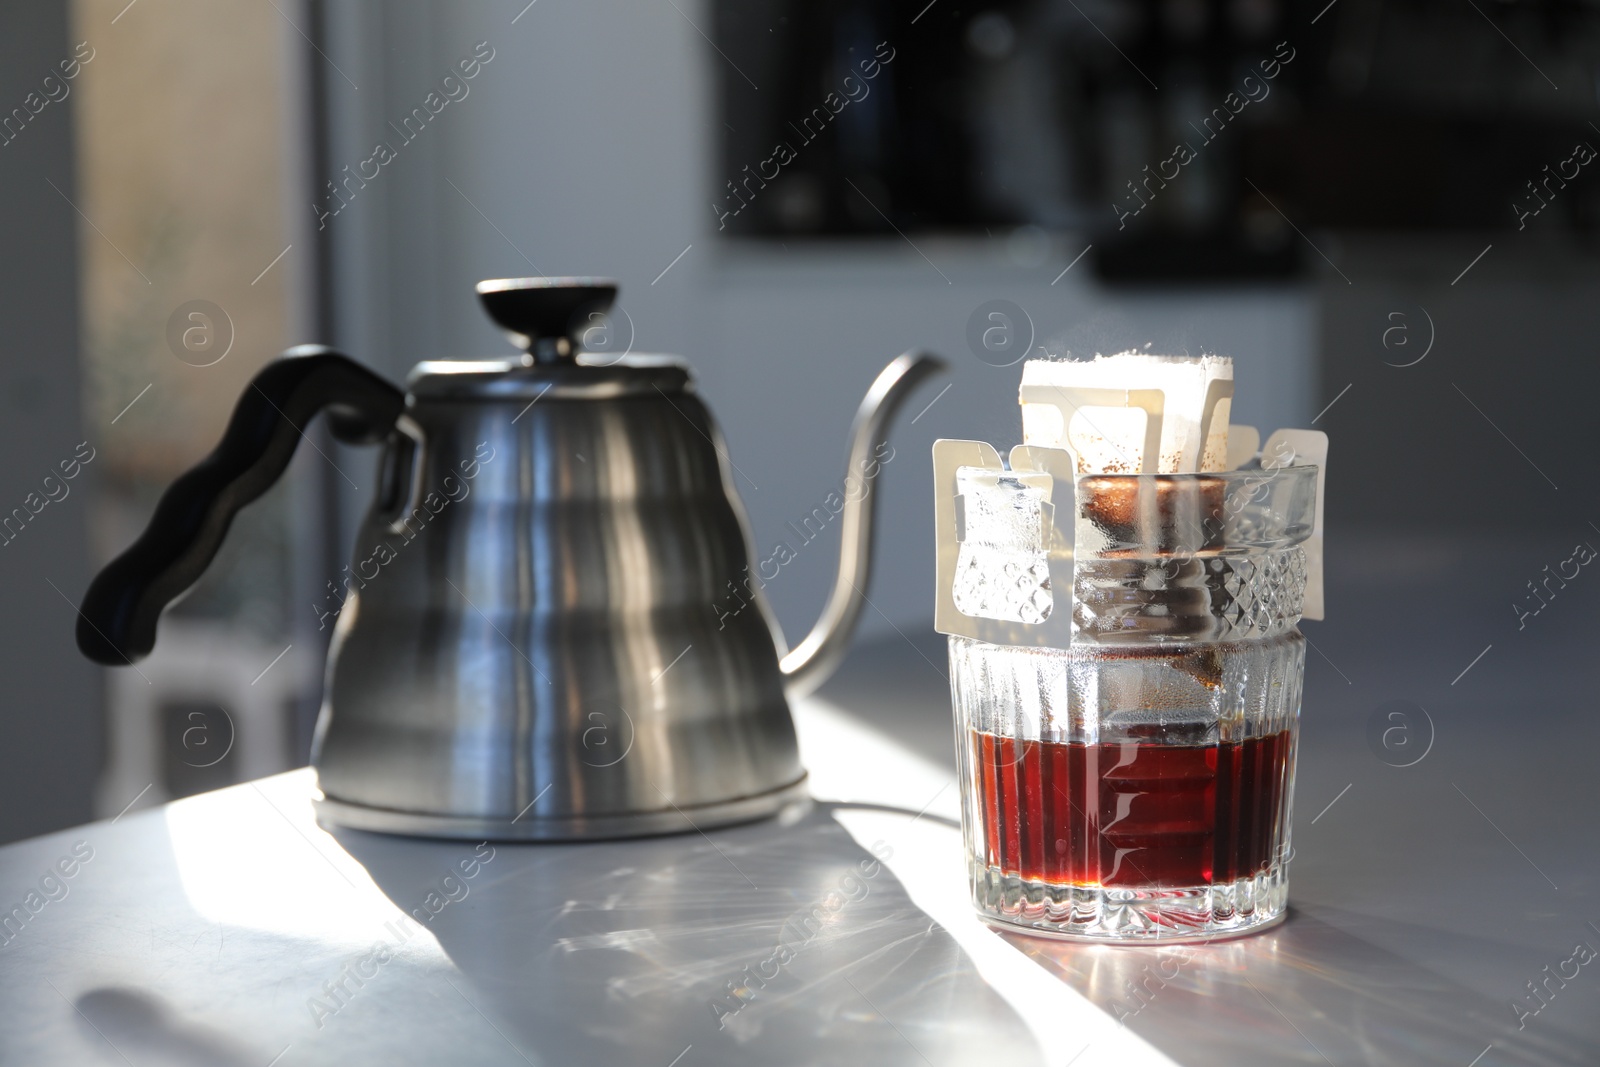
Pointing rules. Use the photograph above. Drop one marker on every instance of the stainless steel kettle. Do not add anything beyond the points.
(552, 629)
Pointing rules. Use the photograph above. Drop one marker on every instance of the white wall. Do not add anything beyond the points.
(586, 146)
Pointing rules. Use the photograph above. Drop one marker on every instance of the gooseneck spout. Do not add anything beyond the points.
(810, 663)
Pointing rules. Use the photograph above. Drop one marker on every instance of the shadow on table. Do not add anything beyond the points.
(143, 1023)
(1308, 991)
(783, 941)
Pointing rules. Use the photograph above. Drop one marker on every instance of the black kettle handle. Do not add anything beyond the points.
(117, 623)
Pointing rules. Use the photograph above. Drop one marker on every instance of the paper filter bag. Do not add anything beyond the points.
(1131, 413)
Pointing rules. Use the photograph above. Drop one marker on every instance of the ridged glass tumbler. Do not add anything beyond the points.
(1138, 785)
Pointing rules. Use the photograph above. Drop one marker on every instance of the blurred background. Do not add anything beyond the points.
(1383, 211)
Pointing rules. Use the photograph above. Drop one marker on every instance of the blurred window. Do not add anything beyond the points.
(188, 277)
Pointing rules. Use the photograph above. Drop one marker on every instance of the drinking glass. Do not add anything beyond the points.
(1136, 784)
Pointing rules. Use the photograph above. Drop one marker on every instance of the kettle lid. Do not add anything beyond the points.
(548, 318)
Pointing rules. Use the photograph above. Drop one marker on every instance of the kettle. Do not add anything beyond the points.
(552, 630)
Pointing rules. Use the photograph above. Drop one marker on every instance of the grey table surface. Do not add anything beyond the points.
(1428, 901)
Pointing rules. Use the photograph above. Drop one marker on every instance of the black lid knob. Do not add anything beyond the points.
(546, 317)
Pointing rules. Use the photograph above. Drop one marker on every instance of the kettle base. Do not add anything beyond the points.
(332, 812)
